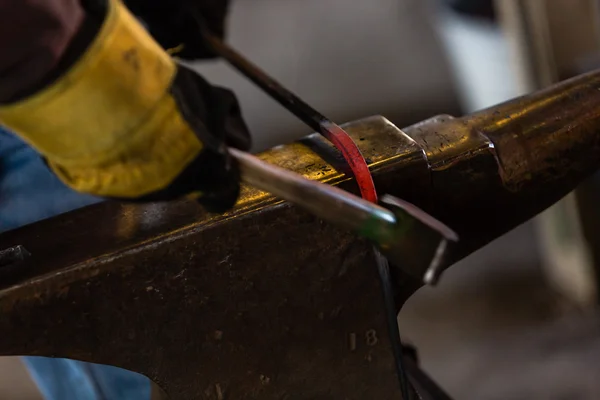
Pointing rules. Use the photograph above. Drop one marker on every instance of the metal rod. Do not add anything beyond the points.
(317, 121)
(391, 315)
(328, 202)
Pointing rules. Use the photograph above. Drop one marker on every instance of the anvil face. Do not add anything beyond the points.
(264, 302)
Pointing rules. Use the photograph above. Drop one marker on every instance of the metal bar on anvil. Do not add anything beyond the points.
(268, 301)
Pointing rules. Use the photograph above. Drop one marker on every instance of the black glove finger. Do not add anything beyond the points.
(217, 178)
(213, 13)
(194, 18)
(223, 196)
(212, 111)
(214, 177)
(226, 113)
(173, 23)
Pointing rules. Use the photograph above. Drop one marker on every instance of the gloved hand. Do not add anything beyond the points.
(175, 23)
(126, 121)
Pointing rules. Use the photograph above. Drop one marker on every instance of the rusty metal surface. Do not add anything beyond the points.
(268, 302)
(496, 168)
(204, 306)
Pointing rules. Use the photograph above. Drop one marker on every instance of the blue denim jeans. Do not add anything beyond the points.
(28, 193)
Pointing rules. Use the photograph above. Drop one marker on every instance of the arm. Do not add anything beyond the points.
(115, 116)
(34, 37)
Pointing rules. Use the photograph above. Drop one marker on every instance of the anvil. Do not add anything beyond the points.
(268, 301)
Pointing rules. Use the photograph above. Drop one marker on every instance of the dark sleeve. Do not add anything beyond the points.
(34, 36)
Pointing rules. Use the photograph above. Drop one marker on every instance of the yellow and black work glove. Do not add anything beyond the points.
(175, 24)
(126, 121)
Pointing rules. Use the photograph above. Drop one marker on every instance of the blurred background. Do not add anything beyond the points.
(517, 320)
